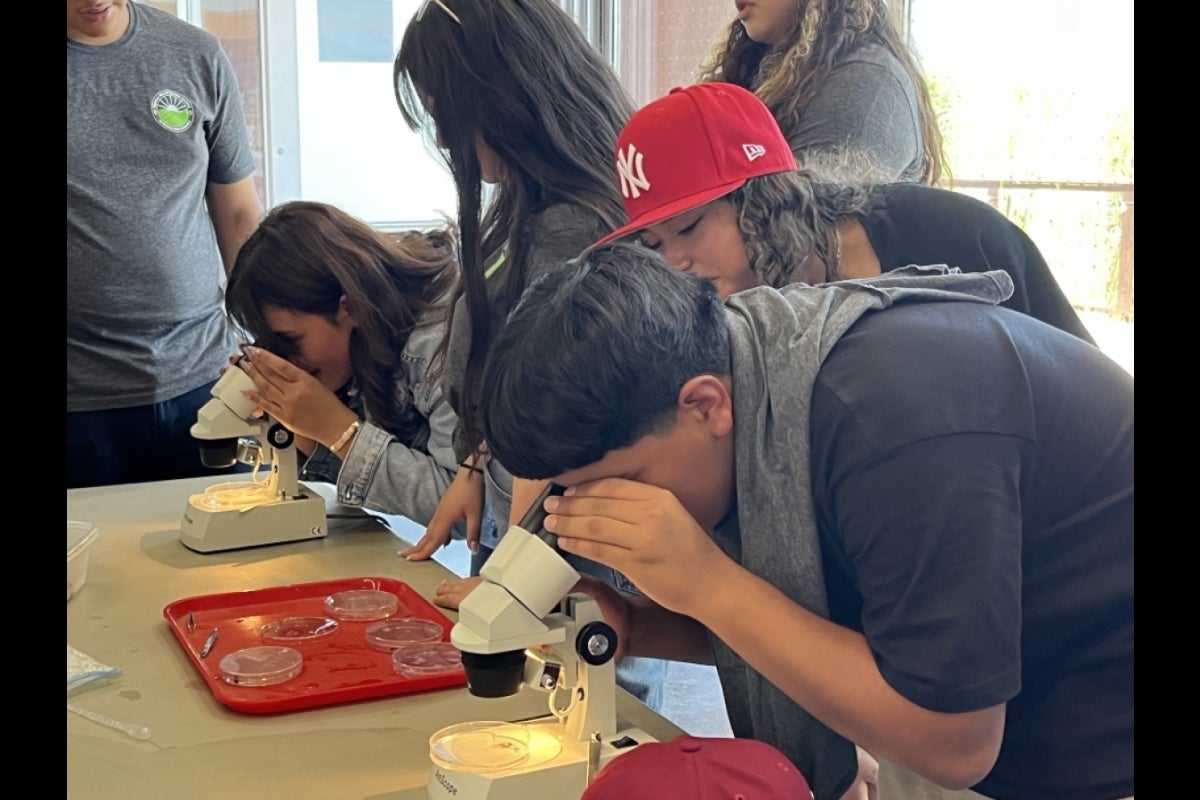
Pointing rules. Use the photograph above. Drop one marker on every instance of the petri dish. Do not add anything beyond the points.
(265, 665)
(236, 495)
(362, 604)
(480, 746)
(392, 633)
(426, 658)
(298, 630)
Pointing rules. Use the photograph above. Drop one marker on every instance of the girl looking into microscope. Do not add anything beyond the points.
(344, 317)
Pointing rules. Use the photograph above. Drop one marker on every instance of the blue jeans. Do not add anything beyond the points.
(641, 677)
(135, 445)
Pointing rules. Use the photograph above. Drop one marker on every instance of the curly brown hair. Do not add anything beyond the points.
(823, 32)
(785, 217)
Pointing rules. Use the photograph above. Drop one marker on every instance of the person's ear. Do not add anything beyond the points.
(492, 167)
(344, 317)
(706, 399)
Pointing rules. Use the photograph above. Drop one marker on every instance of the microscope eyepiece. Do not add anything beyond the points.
(494, 674)
(535, 517)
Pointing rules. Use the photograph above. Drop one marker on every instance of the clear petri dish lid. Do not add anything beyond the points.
(389, 634)
(264, 665)
(362, 604)
(298, 630)
(480, 746)
(426, 658)
(235, 494)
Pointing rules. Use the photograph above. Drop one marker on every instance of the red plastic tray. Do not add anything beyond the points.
(339, 668)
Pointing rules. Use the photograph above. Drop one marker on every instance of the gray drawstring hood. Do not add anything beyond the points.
(779, 338)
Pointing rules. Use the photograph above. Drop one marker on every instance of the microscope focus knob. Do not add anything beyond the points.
(596, 643)
(279, 436)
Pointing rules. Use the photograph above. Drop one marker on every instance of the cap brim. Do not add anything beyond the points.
(669, 210)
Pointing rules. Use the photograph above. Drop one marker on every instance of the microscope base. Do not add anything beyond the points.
(563, 777)
(208, 530)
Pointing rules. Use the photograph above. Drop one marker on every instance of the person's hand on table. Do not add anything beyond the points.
(450, 593)
(295, 398)
(462, 500)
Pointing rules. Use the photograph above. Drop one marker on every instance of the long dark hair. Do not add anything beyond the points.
(520, 75)
(306, 256)
(823, 33)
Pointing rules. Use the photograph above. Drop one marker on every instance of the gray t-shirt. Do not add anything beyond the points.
(867, 103)
(152, 119)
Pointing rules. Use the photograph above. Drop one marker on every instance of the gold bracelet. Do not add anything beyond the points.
(346, 436)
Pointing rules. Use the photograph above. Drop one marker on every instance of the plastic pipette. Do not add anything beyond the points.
(136, 731)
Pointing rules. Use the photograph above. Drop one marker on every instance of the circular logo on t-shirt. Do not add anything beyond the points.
(172, 110)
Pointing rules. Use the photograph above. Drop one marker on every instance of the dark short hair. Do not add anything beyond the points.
(592, 359)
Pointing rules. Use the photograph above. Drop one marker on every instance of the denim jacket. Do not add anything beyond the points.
(381, 473)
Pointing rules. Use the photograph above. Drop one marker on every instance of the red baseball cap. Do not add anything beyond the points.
(700, 769)
(694, 145)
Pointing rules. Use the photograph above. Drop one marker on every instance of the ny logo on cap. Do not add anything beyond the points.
(754, 151)
(633, 178)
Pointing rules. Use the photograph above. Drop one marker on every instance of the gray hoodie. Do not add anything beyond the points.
(779, 340)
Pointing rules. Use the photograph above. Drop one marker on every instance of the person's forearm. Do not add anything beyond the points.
(305, 445)
(658, 633)
(829, 671)
(235, 211)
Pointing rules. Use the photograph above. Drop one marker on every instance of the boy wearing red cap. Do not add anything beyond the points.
(891, 512)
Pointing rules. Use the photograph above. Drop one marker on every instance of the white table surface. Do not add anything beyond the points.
(199, 747)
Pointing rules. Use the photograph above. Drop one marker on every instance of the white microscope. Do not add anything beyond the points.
(524, 603)
(233, 515)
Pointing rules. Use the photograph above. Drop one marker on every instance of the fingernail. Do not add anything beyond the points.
(551, 504)
(569, 492)
(473, 547)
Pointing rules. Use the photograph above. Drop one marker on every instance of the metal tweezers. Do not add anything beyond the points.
(208, 644)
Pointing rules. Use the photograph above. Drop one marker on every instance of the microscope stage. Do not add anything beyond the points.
(213, 530)
(552, 767)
